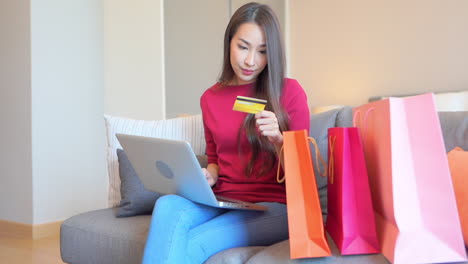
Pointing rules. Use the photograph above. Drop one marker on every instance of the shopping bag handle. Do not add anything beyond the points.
(318, 157)
(365, 121)
(365, 116)
(331, 159)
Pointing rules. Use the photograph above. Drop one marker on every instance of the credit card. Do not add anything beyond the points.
(249, 105)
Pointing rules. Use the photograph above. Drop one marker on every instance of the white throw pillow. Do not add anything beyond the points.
(188, 128)
(451, 102)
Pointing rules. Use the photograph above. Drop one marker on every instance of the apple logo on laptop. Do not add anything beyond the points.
(164, 169)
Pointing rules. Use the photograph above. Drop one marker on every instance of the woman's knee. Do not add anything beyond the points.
(171, 200)
(168, 203)
(177, 207)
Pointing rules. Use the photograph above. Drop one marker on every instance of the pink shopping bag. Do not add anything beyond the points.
(416, 214)
(350, 220)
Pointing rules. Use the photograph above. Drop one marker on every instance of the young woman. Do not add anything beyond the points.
(243, 149)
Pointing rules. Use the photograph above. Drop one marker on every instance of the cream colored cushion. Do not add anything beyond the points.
(453, 101)
(188, 128)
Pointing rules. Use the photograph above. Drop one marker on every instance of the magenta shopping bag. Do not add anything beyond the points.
(350, 220)
(412, 192)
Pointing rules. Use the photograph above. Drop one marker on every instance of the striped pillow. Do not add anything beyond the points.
(188, 128)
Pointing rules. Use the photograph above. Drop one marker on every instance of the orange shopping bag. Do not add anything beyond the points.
(306, 231)
(458, 163)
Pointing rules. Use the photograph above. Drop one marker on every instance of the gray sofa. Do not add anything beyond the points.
(99, 237)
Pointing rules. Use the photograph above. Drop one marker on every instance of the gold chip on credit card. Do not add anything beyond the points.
(249, 104)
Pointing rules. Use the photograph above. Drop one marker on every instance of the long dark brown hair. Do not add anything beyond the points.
(269, 83)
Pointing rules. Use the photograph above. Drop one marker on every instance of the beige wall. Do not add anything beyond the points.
(68, 136)
(344, 52)
(15, 113)
(52, 157)
(134, 59)
(194, 32)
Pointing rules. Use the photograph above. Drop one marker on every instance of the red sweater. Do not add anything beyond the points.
(222, 124)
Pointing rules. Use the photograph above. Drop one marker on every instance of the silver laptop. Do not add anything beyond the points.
(170, 167)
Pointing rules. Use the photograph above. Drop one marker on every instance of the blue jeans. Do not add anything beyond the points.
(182, 231)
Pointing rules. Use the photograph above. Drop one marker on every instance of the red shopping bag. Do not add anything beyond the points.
(414, 202)
(306, 231)
(350, 219)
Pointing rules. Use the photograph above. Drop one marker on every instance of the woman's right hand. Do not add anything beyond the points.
(209, 177)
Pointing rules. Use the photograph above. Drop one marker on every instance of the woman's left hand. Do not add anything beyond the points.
(267, 125)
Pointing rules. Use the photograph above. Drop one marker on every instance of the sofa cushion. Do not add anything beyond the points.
(136, 200)
(454, 129)
(238, 255)
(319, 124)
(345, 117)
(98, 237)
(279, 254)
(188, 128)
